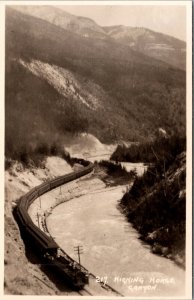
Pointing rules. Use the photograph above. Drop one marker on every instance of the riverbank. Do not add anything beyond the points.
(85, 194)
(29, 278)
(97, 193)
(112, 249)
(54, 199)
(156, 206)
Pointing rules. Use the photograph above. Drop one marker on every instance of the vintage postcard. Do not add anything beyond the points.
(96, 126)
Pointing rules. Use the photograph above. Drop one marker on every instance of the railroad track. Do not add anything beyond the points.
(106, 286)
(85, 292)
(92, 276)
(44, 242)
(88, 292)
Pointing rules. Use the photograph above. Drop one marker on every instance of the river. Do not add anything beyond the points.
(112, 249)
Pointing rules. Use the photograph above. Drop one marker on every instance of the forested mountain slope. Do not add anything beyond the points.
(60, 82)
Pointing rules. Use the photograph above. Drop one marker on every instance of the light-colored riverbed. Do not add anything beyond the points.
(111, 246)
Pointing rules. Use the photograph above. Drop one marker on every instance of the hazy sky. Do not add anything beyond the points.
(168, 19)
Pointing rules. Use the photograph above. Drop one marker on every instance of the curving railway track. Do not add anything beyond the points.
(49, 250)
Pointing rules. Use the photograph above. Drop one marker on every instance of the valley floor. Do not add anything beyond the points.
(108, 238)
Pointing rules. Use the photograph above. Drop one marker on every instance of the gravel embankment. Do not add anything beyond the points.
(22, 276)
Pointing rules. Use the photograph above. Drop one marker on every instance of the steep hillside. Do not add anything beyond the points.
(59, 82)
(156, 205)
(23, 273)
(154, 44)
(147, 152)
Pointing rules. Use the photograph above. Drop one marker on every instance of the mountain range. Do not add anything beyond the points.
(154, 44)
(66, 74)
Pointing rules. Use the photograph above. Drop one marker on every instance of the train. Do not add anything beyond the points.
(49, 250)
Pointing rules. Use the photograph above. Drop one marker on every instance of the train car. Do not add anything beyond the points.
(70, 177)
(23, 203)
(41, 240)
(70, 270)
(22, 218)
(31, 196)
(43, 243)
(43, 188)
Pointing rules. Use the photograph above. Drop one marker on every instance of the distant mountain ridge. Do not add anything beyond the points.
(160, 46)
(77, 24)
(151, 43)
(61, 82)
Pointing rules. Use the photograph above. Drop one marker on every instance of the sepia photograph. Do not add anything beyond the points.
(97, 163)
